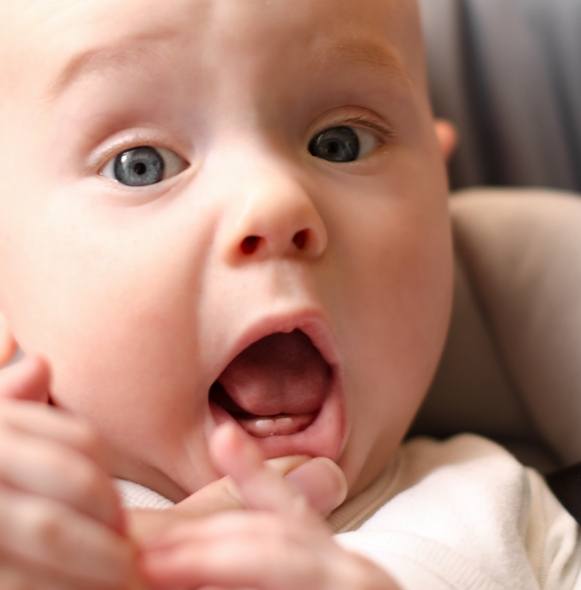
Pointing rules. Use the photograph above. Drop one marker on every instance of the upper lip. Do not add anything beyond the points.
(310, 322)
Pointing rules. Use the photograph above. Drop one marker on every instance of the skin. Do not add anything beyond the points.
(135, 295)
(61, 537)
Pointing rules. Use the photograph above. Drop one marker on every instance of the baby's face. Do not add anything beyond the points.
(215, 210)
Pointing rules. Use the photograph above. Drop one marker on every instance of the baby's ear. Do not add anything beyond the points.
(7, 342)
(447, 135)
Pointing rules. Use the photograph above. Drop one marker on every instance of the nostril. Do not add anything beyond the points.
(250, 244)
(300, 239)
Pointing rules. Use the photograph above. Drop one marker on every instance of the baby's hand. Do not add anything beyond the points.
(318, 479)
(279, 543)
(60, 519)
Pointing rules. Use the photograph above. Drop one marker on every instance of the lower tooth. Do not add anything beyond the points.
(264, 426)
(281, 425)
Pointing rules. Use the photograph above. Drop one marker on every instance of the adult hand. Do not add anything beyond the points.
(278, 543)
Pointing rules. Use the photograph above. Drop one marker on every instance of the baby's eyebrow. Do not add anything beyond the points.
(368, 52)
(132, 52)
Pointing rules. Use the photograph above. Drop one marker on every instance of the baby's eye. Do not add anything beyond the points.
(342, 144)
(144, 166)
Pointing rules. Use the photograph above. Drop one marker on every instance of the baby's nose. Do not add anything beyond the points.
(302, 240)
(276, 217)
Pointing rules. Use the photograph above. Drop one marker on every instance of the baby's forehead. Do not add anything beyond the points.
(57, 29)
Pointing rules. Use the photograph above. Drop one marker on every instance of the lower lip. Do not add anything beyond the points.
(322, 438)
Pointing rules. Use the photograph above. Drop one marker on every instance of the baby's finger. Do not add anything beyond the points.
(319, 480)
(239, 550)
(26, 380)
(259, 551)
(259, 487)
(7, 342)
(50, 537)
(14, 576)
(229, 565)
(44, 423)
(17, 576)
(60, 474)
(322, 483)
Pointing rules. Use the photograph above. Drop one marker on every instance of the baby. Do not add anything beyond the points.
(224, 225)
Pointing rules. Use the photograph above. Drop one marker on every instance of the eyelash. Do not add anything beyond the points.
(384, 134)
(138, 138)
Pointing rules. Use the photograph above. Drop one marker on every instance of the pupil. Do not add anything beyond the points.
(338, 144)
(142, 166)
(334, 148)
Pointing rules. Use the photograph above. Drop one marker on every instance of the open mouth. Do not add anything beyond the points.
(276, 387)
(285, 390)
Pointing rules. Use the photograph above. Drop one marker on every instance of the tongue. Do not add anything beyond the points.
(280, 374)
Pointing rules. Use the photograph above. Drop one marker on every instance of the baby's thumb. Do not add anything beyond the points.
(26, 380)
(321, 482)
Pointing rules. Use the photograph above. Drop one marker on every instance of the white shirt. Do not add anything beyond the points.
(460, 514)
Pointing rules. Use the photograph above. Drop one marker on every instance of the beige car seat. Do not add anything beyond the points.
(506, 73)
(512, 365)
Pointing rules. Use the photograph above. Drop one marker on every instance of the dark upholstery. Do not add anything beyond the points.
(508, 73)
